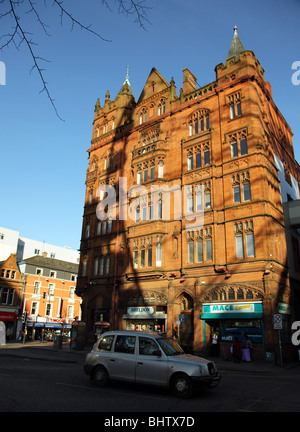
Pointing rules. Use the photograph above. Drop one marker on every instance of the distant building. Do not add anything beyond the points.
(49, 297)
(11, 294)
(229, 151)
(11, 242)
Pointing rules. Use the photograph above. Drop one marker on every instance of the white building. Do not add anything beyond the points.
(11, 242)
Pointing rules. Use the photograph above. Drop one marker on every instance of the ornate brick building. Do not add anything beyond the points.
(197, 233)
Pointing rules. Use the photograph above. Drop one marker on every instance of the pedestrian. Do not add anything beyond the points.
(236, 350)
(214, 342)
(246, 346)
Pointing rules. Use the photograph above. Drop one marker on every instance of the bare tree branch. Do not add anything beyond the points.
(19, 35)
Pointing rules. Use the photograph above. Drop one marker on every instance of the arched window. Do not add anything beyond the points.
(162, 107)
(143, 116)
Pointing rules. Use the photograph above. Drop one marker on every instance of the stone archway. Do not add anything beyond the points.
(185, 306)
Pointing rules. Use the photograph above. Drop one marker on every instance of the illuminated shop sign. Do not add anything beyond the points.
(140, 310)
(224, 309)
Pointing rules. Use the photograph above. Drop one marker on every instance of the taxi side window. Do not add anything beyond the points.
(125, 344)
(147, 346)
(105, 343)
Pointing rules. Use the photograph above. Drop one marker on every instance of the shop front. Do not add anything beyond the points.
(146, 318)
(9, 319)
(231, 320)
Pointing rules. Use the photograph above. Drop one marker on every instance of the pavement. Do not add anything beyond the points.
(47, 351)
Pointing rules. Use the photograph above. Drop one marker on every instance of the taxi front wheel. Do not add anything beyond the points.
(182, 386)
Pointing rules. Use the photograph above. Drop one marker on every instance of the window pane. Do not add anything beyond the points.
(207, 123)
(101, 265)
(137, 214)
(190, 204)
(145, 175)
(196, 127)
(233, 149)
(232, 115)
(206, 157)
(199, 251)
(125, 344)
(135, 259)
(208, 250)
(238, 108)
(142, 257)
(152, 172)
(239, 247)
(149, 258)
(198, 201)
(139, 177)
(207, 200)
(198, 160)
(236, 194)
(190, 252)
(247, 192)
(158, 256)
(160, 170)
(107, 264)
(250, 244)
(96, 266)
(151, 211)
(190, 163)
(159, 210)
(243, 146)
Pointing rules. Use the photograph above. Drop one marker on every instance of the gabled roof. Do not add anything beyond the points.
(154, 84)
(236, 46)
(51, 263)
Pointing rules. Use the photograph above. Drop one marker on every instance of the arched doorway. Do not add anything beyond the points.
(186, 326)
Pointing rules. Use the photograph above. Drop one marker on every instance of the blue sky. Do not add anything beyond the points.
(44, 159)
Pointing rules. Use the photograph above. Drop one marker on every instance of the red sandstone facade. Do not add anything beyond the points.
(221, 144)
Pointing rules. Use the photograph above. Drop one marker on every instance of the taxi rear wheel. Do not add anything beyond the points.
(182, 386)
(100, 377)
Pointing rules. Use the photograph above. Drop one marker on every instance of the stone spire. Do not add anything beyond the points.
(126, 87)
(236, 46)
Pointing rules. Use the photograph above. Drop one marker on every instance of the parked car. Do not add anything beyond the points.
(148, 358)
